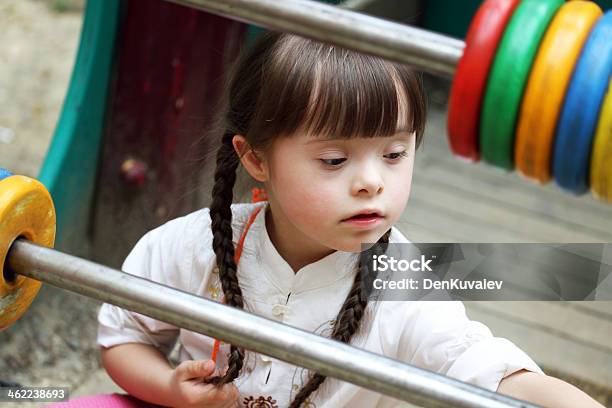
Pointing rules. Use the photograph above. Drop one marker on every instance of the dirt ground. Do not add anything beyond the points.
(38, 45)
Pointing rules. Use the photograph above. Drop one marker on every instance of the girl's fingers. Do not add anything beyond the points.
(232, 393)
(220, 372)
(234, 401)
(230, 404)
(195, 369)
(227, 395)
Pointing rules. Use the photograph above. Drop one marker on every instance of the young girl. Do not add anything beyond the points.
(330, 134)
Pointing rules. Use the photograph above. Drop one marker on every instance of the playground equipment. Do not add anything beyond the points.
(576, 40)
(138, 86)
(521, 96)
(572, 143)
(130, 130)
(27, 211)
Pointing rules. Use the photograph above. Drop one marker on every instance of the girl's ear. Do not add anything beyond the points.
(256, 166)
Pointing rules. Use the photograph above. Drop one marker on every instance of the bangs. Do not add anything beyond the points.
(334, 93)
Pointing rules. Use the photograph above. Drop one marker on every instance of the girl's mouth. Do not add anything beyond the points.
(364, 216)
(364, 220)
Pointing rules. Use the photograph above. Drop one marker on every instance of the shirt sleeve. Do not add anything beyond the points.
(440, 337)
(160, 256)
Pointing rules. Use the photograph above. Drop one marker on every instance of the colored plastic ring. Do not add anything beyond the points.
(580, 112)
(26, 210)
(601, 159)
(508, 77)
(546, 87)
(470, 79)
(4, 173)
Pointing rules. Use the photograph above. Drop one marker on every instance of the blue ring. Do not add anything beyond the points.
(577, 123)
(4, 173)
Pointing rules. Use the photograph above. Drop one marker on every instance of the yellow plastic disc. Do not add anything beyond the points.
(548, 81)
(601, 157)
(26, 210)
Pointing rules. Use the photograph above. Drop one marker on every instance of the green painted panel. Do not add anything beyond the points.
(69, 169)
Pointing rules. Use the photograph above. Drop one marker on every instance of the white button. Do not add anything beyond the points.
(278, 310)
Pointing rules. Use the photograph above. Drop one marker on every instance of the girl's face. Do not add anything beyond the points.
(315, 184)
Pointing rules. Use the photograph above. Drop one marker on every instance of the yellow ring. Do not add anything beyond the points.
(601, 158)
(26, 210)
(548, 81)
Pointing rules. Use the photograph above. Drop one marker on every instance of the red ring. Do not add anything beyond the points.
(470, 81)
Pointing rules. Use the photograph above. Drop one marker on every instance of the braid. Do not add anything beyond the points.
(351, 312)
(221, 223)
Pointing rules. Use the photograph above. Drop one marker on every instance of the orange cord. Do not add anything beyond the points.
(259, 194)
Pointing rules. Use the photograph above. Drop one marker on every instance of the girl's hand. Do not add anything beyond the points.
(190, 392)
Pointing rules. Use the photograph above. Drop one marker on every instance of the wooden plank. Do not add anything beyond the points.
(521, 202)
(600, 309)
(466, 227)
(526, 226)
(435, 152)
(557, 317)
(550, 350)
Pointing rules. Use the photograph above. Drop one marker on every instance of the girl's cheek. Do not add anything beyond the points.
(398, 184)
(312, 203)
(399, 195)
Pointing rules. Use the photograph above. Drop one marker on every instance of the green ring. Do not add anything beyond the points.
(508, 77)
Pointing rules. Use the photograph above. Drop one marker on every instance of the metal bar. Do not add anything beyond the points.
(425, 50)
(356, 4)
(295, 346)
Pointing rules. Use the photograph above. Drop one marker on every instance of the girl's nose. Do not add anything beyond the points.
(367, 181)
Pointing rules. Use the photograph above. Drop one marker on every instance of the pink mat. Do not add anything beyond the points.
(104, 401)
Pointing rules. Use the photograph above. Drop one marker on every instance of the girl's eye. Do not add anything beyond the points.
(336, 162)
(398, 155)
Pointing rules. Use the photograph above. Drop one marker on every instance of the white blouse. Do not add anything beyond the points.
(434, 335)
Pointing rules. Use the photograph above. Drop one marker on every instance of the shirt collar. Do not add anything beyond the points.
(324, 272)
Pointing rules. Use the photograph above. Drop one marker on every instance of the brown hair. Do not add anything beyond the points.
(283, 84)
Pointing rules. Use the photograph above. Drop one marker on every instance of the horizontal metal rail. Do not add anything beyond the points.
(422, 49)
(295, 346)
